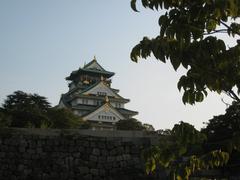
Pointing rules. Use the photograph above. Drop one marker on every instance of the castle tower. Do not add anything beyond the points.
(91, 97)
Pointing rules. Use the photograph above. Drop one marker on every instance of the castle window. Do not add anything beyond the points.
(101, 93)
(118, 105)
(85, 101)
(97, 102)
(106, 117)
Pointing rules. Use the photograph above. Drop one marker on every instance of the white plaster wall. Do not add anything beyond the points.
(74, 102)
(83, 101)
(117, 105)
(106, 111)
(101, 88)
(105, 114)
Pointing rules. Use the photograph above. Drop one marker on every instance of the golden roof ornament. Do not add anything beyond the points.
(106, 99)
(94, 58)
(85, 81)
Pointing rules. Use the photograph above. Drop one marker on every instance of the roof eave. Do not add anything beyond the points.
(108, 74)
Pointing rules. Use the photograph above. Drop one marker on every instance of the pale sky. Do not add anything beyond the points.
(43, 41)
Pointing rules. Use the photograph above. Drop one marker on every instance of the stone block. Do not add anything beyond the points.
(102, 172)
(76, 155)
(84, 170)
(102, 159)
(92, 144)
(117, 143)
(96, 152)
(101, 145)
(94, 172)
(86, 144)
(93, 158)
(110, 159)
(113, 152)
(81, 149)
(92, 164)
(119, 158)
(20, 167)
(104, 152)
(126, 157)
(88, 177)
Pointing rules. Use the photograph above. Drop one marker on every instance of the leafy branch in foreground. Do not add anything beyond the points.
(175, 153)
(187, 37)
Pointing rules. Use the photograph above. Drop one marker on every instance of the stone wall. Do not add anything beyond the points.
(72, 154)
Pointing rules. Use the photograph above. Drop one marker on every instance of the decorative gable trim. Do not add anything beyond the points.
(101, 87)
(108, 111)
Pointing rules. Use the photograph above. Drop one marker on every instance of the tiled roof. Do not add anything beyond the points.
(127, 111)
(86, 69)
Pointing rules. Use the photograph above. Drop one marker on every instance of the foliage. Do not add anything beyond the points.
(129, 124)
(186, 134)
(21, 109)
(166, 132)
(187, 38)
(26, 110)
(182, 142)
(148, 127)
(20, 100)
(5, 120)
(64, 118)
(195, 163)
(223, 131)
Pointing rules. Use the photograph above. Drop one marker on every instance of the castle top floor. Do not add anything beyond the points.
(90, 73)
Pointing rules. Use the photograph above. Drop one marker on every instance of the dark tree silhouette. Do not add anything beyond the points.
(26, 110)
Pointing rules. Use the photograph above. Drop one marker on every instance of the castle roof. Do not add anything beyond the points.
(89, 92)
(127, 111)
(91, 68)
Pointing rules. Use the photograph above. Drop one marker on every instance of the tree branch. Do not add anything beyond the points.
(233, 95)
(227, 26)
(216, 31)
(227, 105)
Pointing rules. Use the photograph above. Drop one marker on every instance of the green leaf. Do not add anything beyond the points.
(185, 98)
(145, 3)
(199, 96)
(175, 63)
(188, 37)
(133, 5)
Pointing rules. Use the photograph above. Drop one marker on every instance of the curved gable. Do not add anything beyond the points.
(103, 90)
(105, 113)
(94, 65)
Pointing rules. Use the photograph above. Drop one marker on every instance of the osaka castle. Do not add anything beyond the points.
(91, 97)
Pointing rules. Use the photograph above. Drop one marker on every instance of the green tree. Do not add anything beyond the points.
(187, 37)
(148, 127)
(64, 118)
(223, 131)
(129, 124)
(26, 110)
(21, 109)
(5, 120)
(20, 100)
